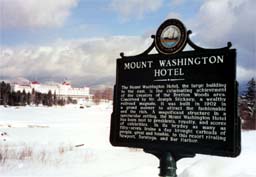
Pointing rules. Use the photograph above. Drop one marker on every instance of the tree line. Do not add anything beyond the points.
(11, 98)
(247, 106)
(102, 94)
(246, 102)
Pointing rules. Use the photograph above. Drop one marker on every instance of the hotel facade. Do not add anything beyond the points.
(64, 90)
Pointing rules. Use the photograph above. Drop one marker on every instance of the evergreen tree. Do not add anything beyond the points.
(18, 95)
(12, 99)
(23, 98)
(5, 93)
(54, 98)
(44, 99)
(251, 90)
(33, 96)
(247, 106)
(28, 98)
(1, 93)
(49, 98)
(38, 98)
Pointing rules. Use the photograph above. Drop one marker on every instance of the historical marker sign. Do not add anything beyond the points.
(184, 103)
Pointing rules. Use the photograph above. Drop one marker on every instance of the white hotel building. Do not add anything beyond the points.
(63, 90)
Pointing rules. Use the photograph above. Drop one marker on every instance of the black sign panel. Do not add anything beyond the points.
(185, 102)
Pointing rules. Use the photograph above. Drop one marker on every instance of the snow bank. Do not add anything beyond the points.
(73, 142)
(213, 166)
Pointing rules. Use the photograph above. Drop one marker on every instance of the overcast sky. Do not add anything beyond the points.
(50, 40)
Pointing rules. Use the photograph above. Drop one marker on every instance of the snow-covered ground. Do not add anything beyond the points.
(72, 142)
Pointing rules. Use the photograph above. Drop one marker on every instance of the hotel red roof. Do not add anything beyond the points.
(35, 82)
(65, 83)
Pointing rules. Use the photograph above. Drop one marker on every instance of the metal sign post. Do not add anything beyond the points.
(177, 103)
(167, 165)
(167, 162)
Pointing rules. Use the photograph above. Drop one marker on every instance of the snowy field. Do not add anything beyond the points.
(73, 142)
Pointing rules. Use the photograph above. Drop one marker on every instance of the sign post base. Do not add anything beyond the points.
(167, 165)
(168, 161)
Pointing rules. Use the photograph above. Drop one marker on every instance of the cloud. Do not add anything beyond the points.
(218, 18)
(135, 8)
(34, 14)
(220, 21)
(84, 61)
(245, 74)
(224, 20)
